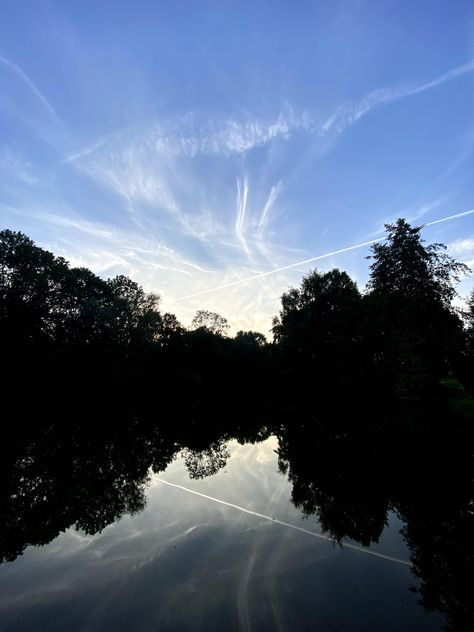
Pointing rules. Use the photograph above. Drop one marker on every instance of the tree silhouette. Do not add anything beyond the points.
(317, 338)
(414, 330)
(210, 321)
(251, 338)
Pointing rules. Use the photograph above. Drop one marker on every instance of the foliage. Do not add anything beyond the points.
(415, 334)
(211, 322)
(406, 269)
(44, 301)
(317, 337)
(320, 313)
(252, 338)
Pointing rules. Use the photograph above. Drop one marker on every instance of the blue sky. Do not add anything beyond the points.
(192, 145)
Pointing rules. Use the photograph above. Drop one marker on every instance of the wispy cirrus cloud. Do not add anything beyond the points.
(191, 134)
(151, 258)
(241, 208)
(156, 171)
(15, 167)
(348, 114)
(272, 196)
(143, 164)
(197, 209)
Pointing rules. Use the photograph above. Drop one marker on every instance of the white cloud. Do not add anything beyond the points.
(350, 113)
(462, 247)
(189, 135)
(272, 196)
(241, 208)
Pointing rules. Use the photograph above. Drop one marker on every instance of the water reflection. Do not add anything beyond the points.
(210, 504)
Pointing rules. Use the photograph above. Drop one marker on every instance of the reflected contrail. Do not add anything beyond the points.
(390, 558)
(261, 275)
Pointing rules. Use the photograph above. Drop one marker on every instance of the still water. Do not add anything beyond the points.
(229, 551)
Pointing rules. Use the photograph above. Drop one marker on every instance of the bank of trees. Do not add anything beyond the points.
(396, 340)
(65, 330)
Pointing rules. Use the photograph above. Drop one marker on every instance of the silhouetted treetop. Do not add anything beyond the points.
(252, 338)
(42, 298)
(323, 307)
(402, 265)
(414, 331)
(210, 321)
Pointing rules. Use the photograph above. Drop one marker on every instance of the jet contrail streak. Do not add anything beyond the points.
(449, 217)
(24, 77)
(261, 275)
(287, 524)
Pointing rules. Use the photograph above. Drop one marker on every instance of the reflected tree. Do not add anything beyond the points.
(203, 463)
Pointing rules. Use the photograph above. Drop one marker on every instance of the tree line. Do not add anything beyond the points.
(66, 331)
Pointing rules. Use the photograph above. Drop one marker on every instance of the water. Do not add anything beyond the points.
(229, 551)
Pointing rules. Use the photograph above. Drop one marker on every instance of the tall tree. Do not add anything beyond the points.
(317, 332)
(414, 328)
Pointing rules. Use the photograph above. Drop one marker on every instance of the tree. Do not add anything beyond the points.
(469, 316)
(317, 334)
(211, 322)
(170, 328)
(467, 362)
(403, 267)
(252, 338)
(318, 315)
(135, 312)
(31, 296)
(413, 326)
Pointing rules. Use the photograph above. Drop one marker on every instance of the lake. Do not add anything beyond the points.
(220, 545)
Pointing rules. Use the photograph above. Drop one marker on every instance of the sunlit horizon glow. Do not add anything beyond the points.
(213, 174)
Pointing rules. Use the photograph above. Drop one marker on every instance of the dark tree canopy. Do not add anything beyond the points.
(210, 321)
(404, 267)
(253, 338)
(42, 298)
(322, 311)
(415, 333)
(317, 337)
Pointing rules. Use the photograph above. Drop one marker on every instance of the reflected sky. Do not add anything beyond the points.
(190, 562)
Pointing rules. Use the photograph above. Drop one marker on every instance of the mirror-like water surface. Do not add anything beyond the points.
(223, 552)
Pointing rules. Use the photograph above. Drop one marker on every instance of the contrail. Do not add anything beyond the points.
(390, 558)
(24, 77)
(261, 275)
(449, 217)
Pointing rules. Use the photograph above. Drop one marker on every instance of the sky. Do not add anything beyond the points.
(206, 148)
